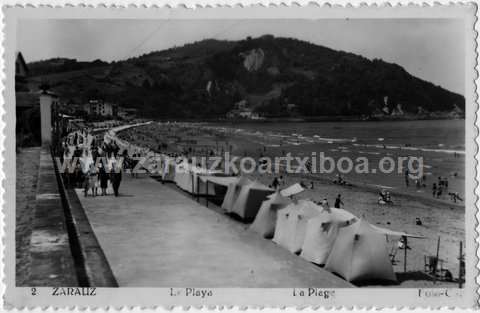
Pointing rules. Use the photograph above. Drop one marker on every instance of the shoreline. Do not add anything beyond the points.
(307, 119)
(327, 179)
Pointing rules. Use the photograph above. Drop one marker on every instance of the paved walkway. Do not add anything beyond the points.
(156, 236)
(52, 263)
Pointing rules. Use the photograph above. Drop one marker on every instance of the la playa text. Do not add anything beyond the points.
(191, 292)
(313, 292)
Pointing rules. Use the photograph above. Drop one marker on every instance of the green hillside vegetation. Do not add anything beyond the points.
(173, 83)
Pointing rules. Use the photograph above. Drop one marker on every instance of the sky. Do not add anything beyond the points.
(431, 49)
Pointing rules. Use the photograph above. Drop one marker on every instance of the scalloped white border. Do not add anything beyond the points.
(250, 8)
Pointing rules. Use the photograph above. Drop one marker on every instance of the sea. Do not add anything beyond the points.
(439, 144)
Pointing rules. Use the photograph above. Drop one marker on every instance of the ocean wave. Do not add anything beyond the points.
(381, 186)
(293, 143)
(450, 151)
(336, 140)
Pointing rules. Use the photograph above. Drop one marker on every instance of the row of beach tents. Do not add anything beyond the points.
(333, 238)
(329, 237)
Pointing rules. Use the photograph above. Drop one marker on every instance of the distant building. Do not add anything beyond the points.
(241, 105)
(21, 69)
(398, 111)
(245, 113)
(291, 107)
(127, 113)
(100, 107)
(456, 112)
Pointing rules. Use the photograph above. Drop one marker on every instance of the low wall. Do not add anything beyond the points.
(93, 269)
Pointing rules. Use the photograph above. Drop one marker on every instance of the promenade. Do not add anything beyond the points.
(154, 235)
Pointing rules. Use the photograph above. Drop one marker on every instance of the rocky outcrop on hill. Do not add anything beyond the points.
(253, 59)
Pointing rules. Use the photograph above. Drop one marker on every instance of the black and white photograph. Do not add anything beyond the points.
(311, 155)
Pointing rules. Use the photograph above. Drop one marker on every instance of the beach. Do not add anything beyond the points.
(440, 217)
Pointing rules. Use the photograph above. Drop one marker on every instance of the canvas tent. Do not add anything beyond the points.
(250, 199)
(187, 177)
(292, 223)
(219, 180)
(393, 233)
(233, 191)
(321, 232)
(264, 222)
(360, 253)
(168, 169)
(292, 190)
(183, 177)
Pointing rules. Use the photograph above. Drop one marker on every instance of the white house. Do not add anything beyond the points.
(99, 107)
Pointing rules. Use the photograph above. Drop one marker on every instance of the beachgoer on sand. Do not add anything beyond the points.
(454, 196)
(439, 191)
(401, 244)
(325, 204)
(275, 183)
(389, 198)
(338, 201)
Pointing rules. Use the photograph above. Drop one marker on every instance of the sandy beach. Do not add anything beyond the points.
(440, 218)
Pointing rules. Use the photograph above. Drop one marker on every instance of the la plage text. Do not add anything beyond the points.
(313, 292)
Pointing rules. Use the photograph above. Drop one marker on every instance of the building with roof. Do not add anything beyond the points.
(101, 108)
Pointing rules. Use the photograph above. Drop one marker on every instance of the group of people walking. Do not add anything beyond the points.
(90, 165)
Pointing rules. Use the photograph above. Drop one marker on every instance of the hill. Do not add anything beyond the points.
(204, 79)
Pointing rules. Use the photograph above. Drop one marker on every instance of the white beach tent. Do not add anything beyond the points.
(292, 190)
(321, 232)
(292, 223)
(187, 178)
(250, 199)
(209, 183)
(394, 233)
(183, 178)
(360, 253)
(233, 191)
(264, 222)
(168, 168)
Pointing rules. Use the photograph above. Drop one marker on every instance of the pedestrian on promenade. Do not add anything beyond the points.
(86, 161)
(93, 179)
(116, 178)
(103, 177)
